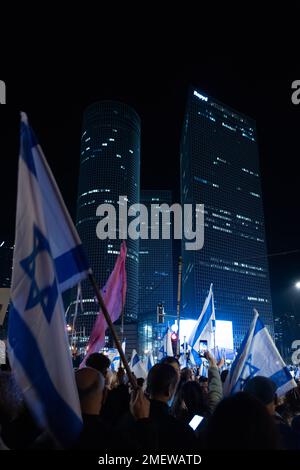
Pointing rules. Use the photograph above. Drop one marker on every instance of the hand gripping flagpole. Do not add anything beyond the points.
(178, 304)
(112, 328)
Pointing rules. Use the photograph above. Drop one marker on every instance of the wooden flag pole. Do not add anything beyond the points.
(112, 329)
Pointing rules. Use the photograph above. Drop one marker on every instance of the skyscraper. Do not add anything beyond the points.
(6, 257)
(156, 261)
(155, 274)
(220, 169)
(109, 168)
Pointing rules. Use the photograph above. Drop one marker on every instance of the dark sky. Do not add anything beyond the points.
(55, 98)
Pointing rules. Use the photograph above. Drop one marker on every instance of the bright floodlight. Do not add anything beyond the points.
(297, 285)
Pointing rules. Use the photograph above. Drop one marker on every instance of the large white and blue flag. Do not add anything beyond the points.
(48, 258)
(166, 348)
(205, 327)
(258, 355)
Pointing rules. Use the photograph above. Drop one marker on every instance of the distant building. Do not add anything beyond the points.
(6, 260)
(109, 168)
(155, 272)
(220, 169)
(287, 330)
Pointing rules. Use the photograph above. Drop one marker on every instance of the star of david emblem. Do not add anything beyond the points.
(48, 295)
(248, 372)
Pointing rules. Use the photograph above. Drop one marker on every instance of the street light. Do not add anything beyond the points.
(297, 285)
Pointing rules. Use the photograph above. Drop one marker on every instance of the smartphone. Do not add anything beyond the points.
(195, 421)
(202, 348)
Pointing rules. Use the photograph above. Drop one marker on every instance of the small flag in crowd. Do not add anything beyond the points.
(136, 365)
(183, 361)
(114, 357)
(149, 361)
(258, 355)
(205, 327)
(48, 259)
(114, 296)
(166, 348)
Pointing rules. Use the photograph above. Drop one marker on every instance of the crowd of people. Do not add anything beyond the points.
(158, 414)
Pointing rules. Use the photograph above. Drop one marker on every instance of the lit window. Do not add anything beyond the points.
(201, 97)
(228, 127)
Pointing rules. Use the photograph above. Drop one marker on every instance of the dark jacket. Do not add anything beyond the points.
(99, 435)
(116, 404)
(171, 434)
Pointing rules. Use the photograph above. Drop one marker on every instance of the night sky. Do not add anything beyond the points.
(54, 100)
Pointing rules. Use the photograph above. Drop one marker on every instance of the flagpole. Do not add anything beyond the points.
(178, 303)
(215, 342)
(122, 325)
(112, 328)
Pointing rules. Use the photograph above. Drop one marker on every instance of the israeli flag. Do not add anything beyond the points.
(48, 258)
(137, 366)
(182, 361)
(258, 355)
(114, 357)
(166, 348)
(149, 361)
(204, 329)
(115, 363)
(195, 358)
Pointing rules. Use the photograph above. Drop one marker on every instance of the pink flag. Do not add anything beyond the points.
(114, 295)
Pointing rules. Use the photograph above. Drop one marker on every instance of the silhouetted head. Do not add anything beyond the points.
(90, 385)
(242, 422)
(99, 362)
(186, 374)
(161, 382)
(264, 390)
(140, 382)
(193, 395)
(172, 361)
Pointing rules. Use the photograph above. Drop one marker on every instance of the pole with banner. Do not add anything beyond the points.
(112, 329)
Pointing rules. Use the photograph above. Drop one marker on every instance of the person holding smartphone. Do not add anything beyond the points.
(194, 405)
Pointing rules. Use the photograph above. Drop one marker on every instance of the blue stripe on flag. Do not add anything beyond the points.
(70, 263)
(196, 357)
(259, 326)
(28, 140)
(281, 377)
(241, 350)
(135, 360)
(69, 425)
(203, 323)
